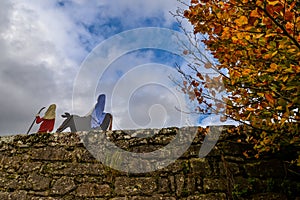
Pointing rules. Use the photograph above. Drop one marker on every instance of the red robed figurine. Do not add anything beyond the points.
(47, 121)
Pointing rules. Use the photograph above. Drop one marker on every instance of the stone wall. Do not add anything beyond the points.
(58, 166)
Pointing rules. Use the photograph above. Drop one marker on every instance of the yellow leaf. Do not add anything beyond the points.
(234, 39)
(250, 109)
(240, 35)
(259, 2)
(259, 36)
(273, 2)
(285, 78)
(260, 94)
(291, 50)
(219, 15)
(241, 21)
(270, 35)
(274, 53)
(247, 37)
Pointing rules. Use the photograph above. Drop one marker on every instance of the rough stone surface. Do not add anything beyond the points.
(92, 190)
(133, 186)
(58, 166)
(62, 186)
(214, 184)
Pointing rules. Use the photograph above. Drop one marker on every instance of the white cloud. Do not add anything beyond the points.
(144, 93)
(33, 63)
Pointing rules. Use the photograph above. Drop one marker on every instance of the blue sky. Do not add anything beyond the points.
(45, 43)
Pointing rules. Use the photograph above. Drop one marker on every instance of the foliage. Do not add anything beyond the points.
(257, 43)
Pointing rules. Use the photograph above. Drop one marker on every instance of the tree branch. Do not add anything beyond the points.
(280, 26)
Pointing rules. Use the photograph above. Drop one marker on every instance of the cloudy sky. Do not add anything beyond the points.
(48, 53)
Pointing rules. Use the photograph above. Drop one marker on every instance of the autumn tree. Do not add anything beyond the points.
(257, 47)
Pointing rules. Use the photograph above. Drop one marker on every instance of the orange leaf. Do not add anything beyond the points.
(200, 76)
(273, 67)
(246, 72)
(254, 13)
(292, 6)
(288, 15)
(245, 154)
(195, 83)
(270, 98)
(289, 26)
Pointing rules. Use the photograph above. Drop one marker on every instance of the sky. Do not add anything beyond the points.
(48, 53)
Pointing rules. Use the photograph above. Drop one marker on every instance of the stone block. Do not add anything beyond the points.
(12, 181)
(74, 169)
(62, 186)
(154, 197)
(65, 139)
(242, 187)
(172, 183)
(179, 179)
(4, 195)
(269, 196)
(190, 182)
(211, 196)
(48, 198)
(229, 168)
(82, 155)
(193, 151)
(28, 167)
(200, 166)
(271, 168)
(213, 184)
(232, 149)
(163, 185)
(10, 164)
(177, 167)
(135, 185)
(51, 154)
(18, 195)
(37, 182)
(92, 190)
(199, 184)
(120, 198)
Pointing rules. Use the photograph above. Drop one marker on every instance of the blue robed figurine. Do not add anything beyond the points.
(99, 117)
